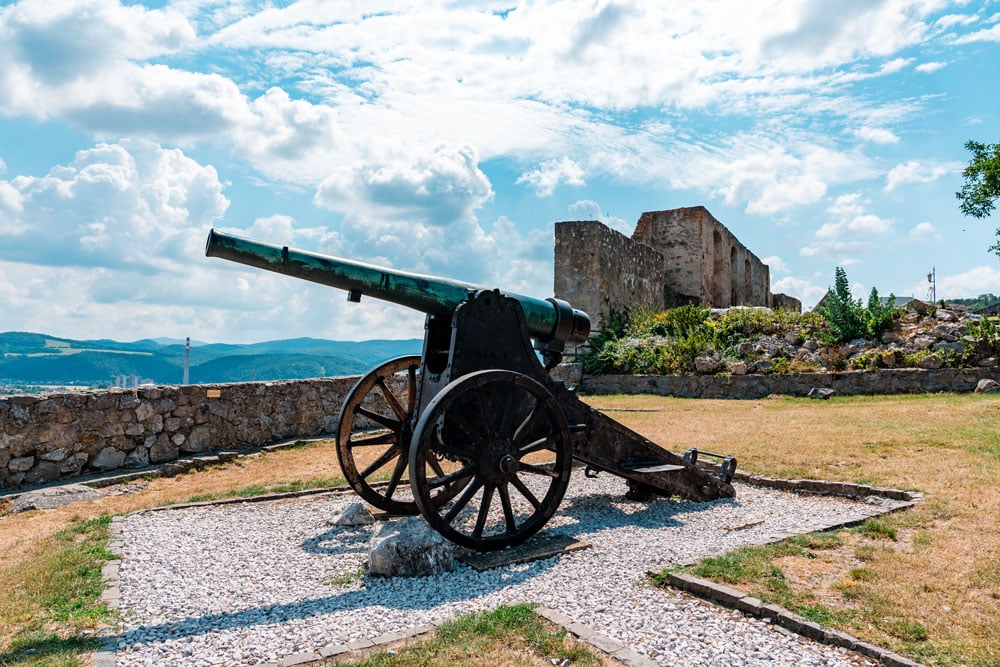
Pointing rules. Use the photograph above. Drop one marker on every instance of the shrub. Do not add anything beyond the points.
(849, 319)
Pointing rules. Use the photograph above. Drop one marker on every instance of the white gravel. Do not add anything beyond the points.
(250, 583)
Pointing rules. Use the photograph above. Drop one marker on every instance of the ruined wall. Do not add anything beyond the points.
(44, 438)
(674, 257)
(703, 262)
(598, 269)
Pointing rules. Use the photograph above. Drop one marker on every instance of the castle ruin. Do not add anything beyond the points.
(674, 257)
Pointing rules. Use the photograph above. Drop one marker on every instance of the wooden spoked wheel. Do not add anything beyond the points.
(374, 461)
(511, 443)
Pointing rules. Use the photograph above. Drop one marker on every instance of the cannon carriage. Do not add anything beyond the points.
(473, 434)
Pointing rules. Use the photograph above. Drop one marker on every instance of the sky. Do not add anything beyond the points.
(448, 137)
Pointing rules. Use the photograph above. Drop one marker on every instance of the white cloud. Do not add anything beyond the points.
(776, 265)
(977, 280)
(803, 290)
(985, 35)
(585, 209)
(914, 171)
(552, 173)
(931, 67)
(767, 177)
(878, 135)
(132, 204)
(924, 230)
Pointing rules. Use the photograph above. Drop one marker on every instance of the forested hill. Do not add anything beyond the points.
(39, 359)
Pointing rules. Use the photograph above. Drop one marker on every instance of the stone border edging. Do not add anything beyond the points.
(751, 606)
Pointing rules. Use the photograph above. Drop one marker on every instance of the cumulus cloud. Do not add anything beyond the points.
(914, 171)
(586, 209)
(775, 264)
(801, 288)
(977, 280)
(931, 67)
(131, 204)
(766, 177)
(552, 173)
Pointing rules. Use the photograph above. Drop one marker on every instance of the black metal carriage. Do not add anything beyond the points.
(484, 436)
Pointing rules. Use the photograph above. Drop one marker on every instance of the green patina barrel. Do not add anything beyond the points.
(552, 321)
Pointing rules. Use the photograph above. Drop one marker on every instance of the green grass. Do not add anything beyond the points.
(474, 638)
(753, 566)
(60, 586)
(260, 490)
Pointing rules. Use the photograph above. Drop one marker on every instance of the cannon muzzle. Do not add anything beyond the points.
(552, 321)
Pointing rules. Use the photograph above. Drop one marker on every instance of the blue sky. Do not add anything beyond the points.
(447, 138)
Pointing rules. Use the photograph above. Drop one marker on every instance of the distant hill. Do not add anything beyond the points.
(39, 359)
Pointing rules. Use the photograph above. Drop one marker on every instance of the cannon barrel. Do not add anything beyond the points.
(551, 321)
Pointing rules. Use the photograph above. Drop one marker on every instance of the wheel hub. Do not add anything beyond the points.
(497, 462)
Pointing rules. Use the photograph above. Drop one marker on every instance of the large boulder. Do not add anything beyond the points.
(51, 498)
(409, 548)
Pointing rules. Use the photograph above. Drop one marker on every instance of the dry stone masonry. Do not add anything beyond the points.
(44, 438)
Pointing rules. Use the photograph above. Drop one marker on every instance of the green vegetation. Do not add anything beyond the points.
(260, 490)
(487, 638)
(67, 597)
(849, 319)
(982, 183)
(649, 341)
(976, 303)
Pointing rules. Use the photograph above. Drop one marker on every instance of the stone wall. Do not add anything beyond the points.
(598, 269)
(704, 262)
(44, 438)
(47, 438)
(886, 381)
(674, 257)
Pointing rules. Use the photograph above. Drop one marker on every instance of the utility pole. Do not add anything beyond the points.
(932, 290)
(187, 361)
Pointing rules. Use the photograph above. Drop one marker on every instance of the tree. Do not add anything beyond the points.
(982, 183)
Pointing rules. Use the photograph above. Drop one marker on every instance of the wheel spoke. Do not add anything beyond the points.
(391, 399)
(397, 474)
(484, 511)
(463, 500)
(538, 470)
(370, 440)
(525, 491)
(538, 445)
(450, 478)
(471, 433)
(505, 417)
(508, 511)
(435, 465)
(386, 456)
(519, 433)
(388, 422)
(411, 389)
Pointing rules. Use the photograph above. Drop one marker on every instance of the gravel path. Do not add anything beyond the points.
(250, 583)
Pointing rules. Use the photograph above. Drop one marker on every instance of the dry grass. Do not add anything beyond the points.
(941, 576)
(942, 573)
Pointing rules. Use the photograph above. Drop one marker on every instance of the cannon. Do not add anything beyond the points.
(474, 434)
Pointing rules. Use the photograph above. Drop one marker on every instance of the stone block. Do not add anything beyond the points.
(409, 548)
(21, 464)
(108, 458)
